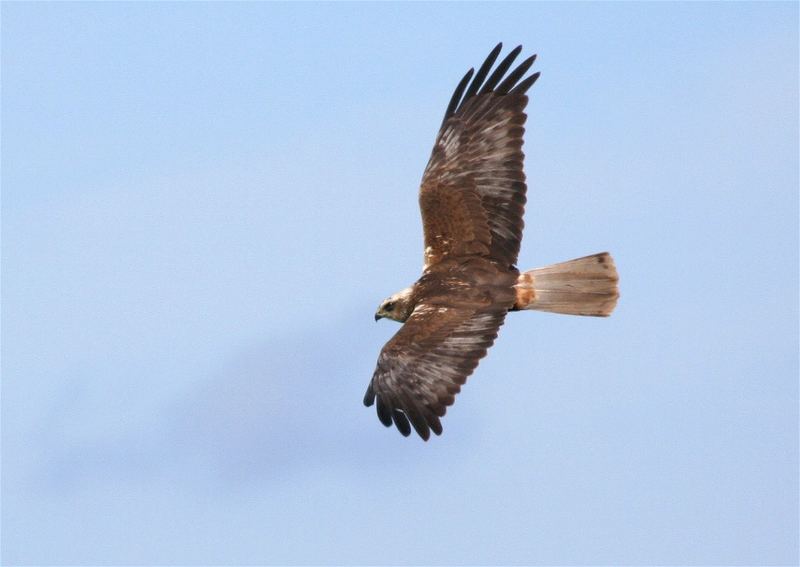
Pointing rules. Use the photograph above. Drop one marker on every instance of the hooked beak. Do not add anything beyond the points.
(378, 317)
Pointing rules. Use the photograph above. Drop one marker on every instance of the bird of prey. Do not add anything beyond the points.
(472, 200)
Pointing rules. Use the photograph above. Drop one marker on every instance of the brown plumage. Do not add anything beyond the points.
(472, 200)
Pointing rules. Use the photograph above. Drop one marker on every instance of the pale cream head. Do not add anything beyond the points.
(398, 307)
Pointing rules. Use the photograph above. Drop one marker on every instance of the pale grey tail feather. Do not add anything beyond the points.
(585, 286)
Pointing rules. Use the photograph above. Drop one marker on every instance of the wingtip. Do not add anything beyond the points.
(435, 425)
(401, 422)
(511, 79)
(369, 396)
(523, 86)
(495, 52)
(384, 413)
(500, 70)
(455, 100)
(422, 429)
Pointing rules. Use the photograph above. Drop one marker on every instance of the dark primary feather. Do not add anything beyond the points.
(514, 76)
(457, 95)
(384, 412)
(457, 102)
(481, 74)
(523, 87)
(401, 421)
(501, 70)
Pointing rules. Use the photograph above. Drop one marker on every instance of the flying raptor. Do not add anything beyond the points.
(472, 200)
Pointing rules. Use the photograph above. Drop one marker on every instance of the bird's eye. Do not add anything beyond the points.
(389, 306)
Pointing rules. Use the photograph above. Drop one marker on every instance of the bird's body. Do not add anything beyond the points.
(470, 280)
(472, 200)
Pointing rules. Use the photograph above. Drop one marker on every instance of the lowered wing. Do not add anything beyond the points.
(422, 368)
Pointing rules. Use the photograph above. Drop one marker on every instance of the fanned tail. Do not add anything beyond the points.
(584, 286)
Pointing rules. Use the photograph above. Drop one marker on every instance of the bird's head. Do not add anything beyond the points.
(398, 307)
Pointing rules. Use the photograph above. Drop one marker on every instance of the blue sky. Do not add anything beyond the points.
(203, 203)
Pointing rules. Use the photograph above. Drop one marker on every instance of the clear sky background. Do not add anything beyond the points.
(203, 204)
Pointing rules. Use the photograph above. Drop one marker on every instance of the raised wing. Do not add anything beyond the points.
(472, 196)
(422, 368)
